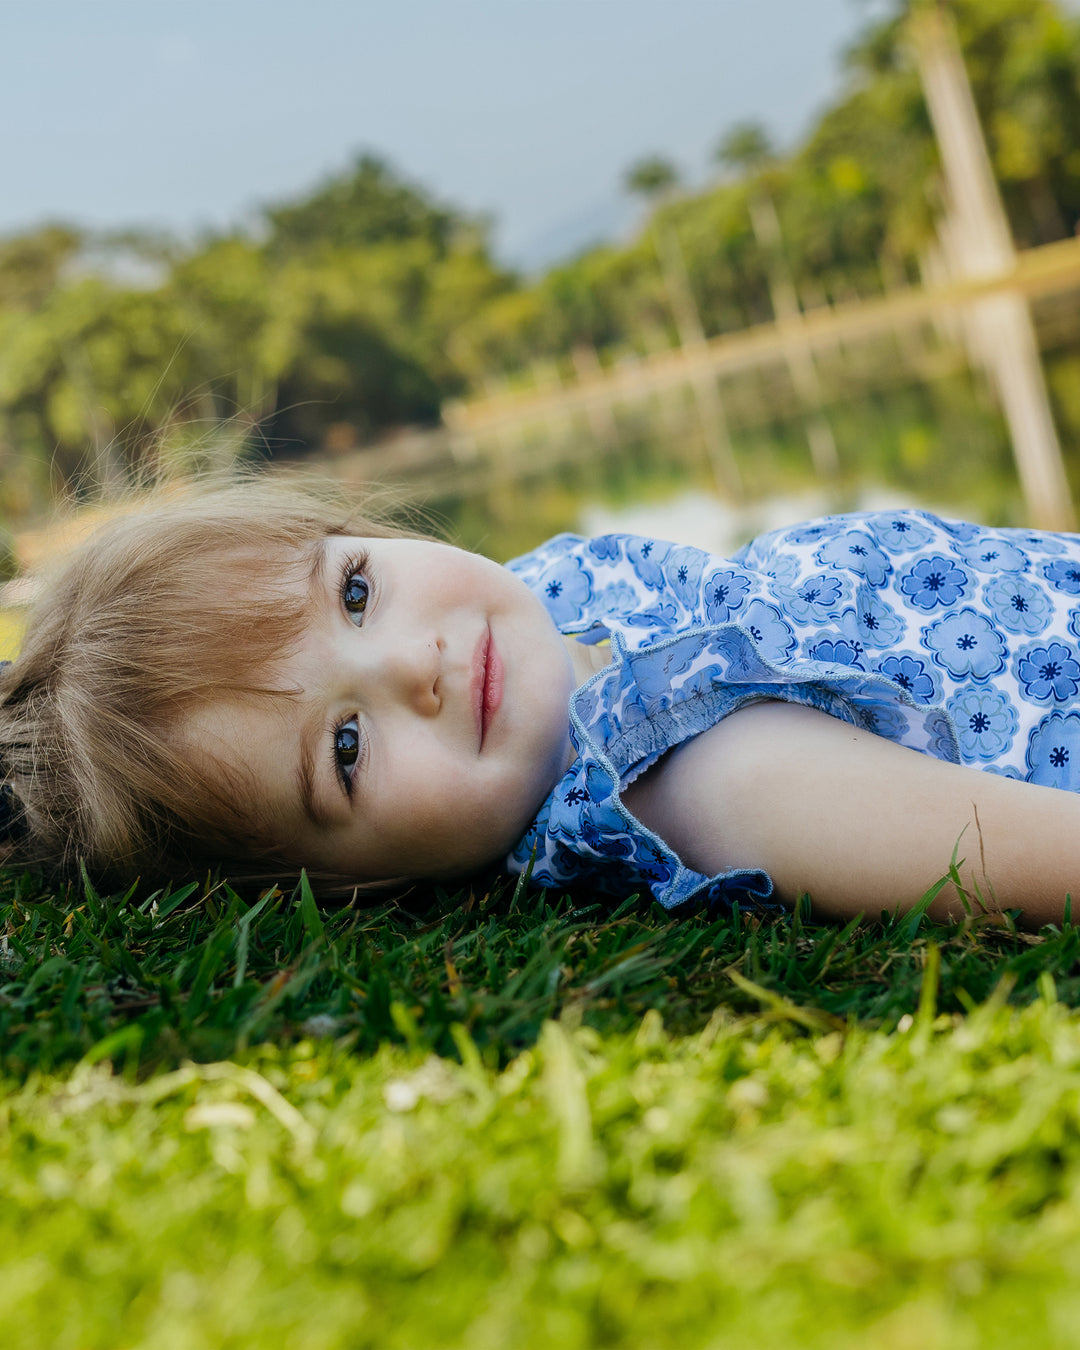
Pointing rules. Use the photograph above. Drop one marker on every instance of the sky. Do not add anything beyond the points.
(188, 115)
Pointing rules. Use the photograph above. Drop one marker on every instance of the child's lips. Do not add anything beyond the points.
(487, 683)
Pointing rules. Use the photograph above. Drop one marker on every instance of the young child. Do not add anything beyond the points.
(250, 679)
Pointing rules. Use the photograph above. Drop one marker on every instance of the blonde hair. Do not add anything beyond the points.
(180, 599)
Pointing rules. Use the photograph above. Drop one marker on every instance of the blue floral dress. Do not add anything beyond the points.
(954, 639)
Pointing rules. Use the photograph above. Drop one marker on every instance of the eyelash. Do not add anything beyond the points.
(354, 565)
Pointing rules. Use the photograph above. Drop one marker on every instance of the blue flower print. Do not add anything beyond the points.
(825, 700)
(1037, 542)
(784, 570)
(1063, 576)
(814, 532)
(617, 597)
(883, 719)
(1050, 673)
(568, 803)
(962, 669)
(606, 547)
(565, 588)
(855, 551)
(739, 658)
(961, 530)
(941, 738)
(872, 621)
(586, 704)
(774, 637)
(646, 558)
(702, 682)
(903, 533)
(654, 689)
(1053, 752)
(683, 568)
(818, 599)
(912, 673)
(675, 658)
(934, 581)
(563, 861)
(653, 862)
(660, 618)
(725, 592)
(838, 651)
(993, 555)
(1018, 604)
(967, 645)
(985, 721)
(633, 712)
(607, 842)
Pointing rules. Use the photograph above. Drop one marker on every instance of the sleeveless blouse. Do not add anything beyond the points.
(957, 640)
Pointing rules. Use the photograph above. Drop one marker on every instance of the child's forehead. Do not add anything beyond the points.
(292, 562)
(316, 555)
(288, 575)
(248, 606)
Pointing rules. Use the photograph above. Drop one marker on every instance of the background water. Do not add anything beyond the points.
(939, 443)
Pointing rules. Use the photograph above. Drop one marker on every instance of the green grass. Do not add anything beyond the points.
(196, 973)
(514, 1119)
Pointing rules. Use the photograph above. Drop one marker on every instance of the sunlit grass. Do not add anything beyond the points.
(503, 1118)
(751, 1184)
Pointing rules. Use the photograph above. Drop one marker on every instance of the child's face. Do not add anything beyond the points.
(430, 719)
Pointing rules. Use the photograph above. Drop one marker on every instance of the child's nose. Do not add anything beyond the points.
(410, 670)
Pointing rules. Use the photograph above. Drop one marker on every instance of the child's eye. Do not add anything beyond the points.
(346, 749)
(356, 586)
(354, 592)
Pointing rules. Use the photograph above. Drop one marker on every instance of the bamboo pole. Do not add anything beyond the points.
(978, 244)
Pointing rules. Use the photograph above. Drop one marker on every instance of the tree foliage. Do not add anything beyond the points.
(747, 146)
(363, 304)
(652, 176)
(369, 205)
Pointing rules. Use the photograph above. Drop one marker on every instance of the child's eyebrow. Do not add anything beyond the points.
(318, 561)
(306, 761)
(305, 785)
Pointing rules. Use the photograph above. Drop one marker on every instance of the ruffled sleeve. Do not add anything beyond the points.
(652, 698)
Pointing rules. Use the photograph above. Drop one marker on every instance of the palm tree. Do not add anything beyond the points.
(748, 150)
(651, 177)
(656, 179)
(745, 148)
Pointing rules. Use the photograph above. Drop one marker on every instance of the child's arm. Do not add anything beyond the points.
(860, 823)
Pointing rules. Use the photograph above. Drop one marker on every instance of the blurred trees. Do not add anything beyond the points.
(855, 204)
(364, 303)
(335, 324)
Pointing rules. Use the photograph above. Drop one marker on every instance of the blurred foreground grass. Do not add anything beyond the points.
(513, 1119)
(749, 1184)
